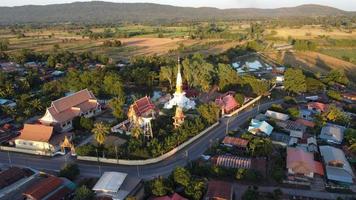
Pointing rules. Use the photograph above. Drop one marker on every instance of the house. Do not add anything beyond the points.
(174, 196)
(260, 127)
(50, 188)
(142, 108)
(337, 167)
(279, 79)
(305, 114)
(277, 115)
(289, 126)
(296, 134)
(332, 133)
(12, 175)
(235, 142)
(306, 123)
(302, 164)
(7, 103)
(227, 103)
(219, 190)
(349, 97)
(116, 185)
(236, 162)
(64, 110)
(317, 107)
(40, 138)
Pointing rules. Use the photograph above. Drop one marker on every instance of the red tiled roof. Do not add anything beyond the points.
(175, 196)
(36, 132)
(43, 188)
(305, 122)
(60, 194)
(318, 105)
(227, 102)
(143, 106)
(303, 162)
(10, 176)
(238, 142)
(77, 98)
(219, 190)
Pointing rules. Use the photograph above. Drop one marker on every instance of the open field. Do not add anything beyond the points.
(313, 32)
(316, 62)
(347, 54)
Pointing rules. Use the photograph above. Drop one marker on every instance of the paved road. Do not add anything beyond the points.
(191, 152)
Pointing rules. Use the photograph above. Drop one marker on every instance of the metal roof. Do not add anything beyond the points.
(110, 182)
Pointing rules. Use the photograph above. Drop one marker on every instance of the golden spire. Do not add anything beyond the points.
(179, 82)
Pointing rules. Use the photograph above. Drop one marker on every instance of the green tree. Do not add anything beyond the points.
(314, 85)
(295, 81)
(100, 132)
(240, 98)
(168, 73)
(4, 45)
(70, 171)
(336, 76)
(336, 115)
(334, 95)
(113, 85)
(209, 112)
(251, 194)
(159, 187)
(195, 189)
(83, 193)
(181, 176)
(294, 112)
(260, 146)
(86, 123)
(227, 76)
(117, 104)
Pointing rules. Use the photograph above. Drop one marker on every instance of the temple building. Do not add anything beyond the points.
(179, 117)
(179, 98)
(62, 111)
(140, 114)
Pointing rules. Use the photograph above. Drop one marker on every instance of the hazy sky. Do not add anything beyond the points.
(342, 4)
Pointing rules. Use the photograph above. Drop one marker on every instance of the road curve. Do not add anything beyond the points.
(181, 158)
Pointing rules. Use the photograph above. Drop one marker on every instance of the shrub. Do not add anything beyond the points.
(70, 171)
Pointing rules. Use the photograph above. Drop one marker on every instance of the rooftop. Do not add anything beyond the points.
(302, 162)
(36, 132)
(219, 190)
(110, 182)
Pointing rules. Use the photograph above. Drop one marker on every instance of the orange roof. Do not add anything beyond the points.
(227, 102)
(77, 98)
(305, 122)
(43, 188)
(36, 132)
(239, 142)
(142, 106)
(219, 190)
(175, 196)
(303, 162)
(318, 105)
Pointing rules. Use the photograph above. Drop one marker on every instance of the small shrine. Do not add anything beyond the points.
(179, 117)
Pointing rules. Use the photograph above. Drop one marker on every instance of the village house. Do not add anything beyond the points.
(301, 164)
(277, 115)
(238, 143)
(116, 186)
(40, 138)
(338, 169)
(174, 196)
(50, 188)
(227, 103)
(236, 162)
(220, 190)
(349, 97)
(332, 133)
(62, 111)
(317, 107)
(260, 127)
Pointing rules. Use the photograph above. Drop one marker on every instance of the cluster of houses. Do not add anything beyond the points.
(52, 132)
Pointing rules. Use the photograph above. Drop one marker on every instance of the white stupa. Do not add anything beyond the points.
(179, 99)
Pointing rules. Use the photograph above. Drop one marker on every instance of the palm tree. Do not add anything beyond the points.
(37, 104)
(100, 131)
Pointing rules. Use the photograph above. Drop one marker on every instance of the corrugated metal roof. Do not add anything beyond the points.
(110, 182)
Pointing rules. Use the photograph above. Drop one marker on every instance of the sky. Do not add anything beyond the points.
(349, 5)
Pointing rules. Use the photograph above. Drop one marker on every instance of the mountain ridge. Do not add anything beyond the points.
(108, 12)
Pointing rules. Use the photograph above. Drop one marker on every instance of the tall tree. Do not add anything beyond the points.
(100, 132)
(227, 76)
(295, 81)
(168, 73)
(113, 85)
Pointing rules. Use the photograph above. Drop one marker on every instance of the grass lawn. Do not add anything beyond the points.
(347, 54)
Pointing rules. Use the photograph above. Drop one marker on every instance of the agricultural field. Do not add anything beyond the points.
(347, 54)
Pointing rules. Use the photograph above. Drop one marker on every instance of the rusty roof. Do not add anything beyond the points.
(36, 132)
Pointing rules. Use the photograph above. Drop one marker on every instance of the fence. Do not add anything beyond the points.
(151, 160)
(27, 151)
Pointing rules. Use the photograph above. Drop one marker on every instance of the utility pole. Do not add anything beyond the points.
(97, 155)
(138, 171)
(117, 157)
(8, 155)
(227, 126)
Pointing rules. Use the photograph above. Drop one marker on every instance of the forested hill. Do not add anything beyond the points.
(106, 12)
